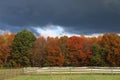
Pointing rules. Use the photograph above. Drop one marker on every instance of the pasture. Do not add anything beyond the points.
(10, 73)
(61, 73)
(68, 77)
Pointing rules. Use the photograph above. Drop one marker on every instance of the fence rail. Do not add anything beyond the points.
(73, 70)
(9, 73)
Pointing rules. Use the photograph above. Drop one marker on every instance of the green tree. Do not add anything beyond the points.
(62, 44)
(96, 59)
(22, 48)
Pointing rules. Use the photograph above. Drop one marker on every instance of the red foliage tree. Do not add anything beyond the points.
(75, 54)
(38, 56)
(54, 55)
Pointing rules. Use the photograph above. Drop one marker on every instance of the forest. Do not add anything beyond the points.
(24, 49)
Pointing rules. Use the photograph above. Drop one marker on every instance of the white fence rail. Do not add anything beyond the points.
(71, 70)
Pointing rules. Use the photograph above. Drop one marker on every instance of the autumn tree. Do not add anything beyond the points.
(75, 54)
(1, 54)
(54, 55)
(87, 42)
(111, 42)
(63, 48)
(22, 48)
(38, 56)
(6, 41)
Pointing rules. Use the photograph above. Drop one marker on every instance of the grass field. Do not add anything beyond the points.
(67, 77)
(9, 73)
(64, 73)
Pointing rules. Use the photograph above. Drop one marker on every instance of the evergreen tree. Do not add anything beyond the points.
(22, 48)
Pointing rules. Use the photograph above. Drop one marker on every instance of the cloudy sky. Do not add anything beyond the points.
(60, 17)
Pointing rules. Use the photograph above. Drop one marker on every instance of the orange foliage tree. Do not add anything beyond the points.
(64, 51)
(111, 42)
(54, 55)
(75, 54)
(5, 47)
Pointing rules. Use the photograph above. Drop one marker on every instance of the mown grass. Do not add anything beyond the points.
(10, 73)
(18, 74)
(68, 77)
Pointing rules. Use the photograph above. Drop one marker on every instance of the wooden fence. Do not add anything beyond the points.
(10, 73)
(73, 70)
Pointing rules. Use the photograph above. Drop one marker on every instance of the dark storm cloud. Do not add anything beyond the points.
(77, 16)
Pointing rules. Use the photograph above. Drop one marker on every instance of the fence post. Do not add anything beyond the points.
(70, 73)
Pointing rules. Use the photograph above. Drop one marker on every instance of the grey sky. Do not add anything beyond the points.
(76, 16)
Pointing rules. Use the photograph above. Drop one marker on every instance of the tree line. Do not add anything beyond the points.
(25, 49)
